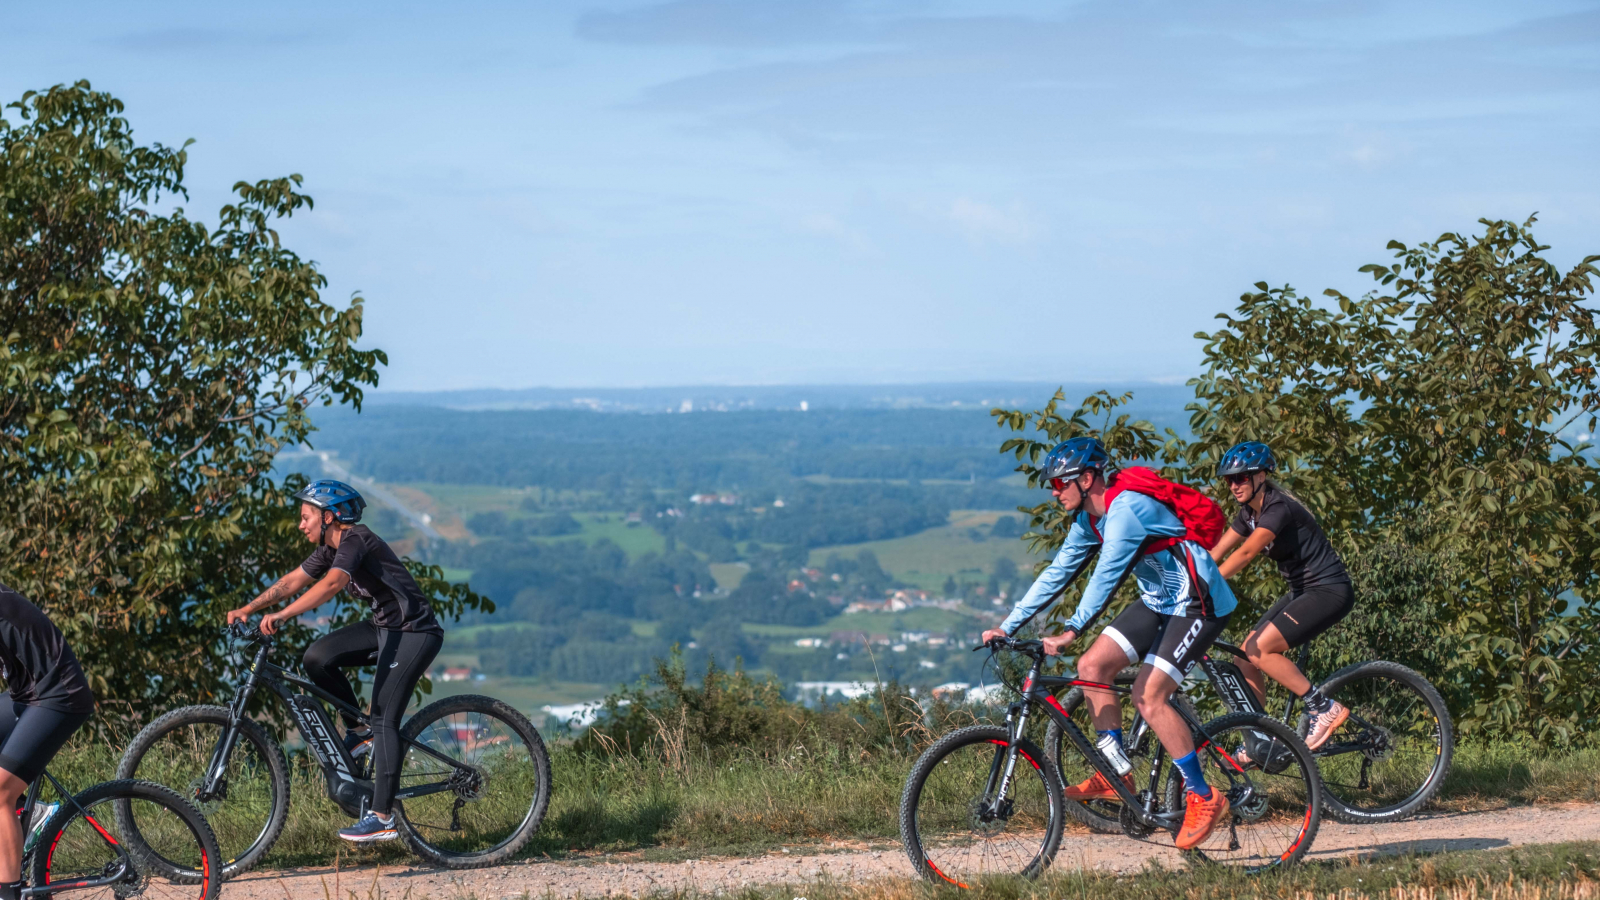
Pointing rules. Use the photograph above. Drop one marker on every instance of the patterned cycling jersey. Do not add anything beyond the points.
(1181, 581)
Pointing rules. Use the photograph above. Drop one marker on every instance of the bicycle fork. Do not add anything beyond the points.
(1003, 768)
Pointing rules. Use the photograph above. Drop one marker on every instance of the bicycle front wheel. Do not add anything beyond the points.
(1274, 813)
(250, 809)
(958, 821)
(140, 838)
(1390, 757)
(488, 799)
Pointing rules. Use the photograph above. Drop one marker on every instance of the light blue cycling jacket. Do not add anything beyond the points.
(1165, 581)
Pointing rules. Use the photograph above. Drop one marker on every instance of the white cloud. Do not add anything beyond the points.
(985, 222)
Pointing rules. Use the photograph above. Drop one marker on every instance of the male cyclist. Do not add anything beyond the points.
(1185, 605)
(50, 699)
(401, 638)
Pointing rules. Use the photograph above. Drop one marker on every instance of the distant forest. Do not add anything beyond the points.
(746, 450)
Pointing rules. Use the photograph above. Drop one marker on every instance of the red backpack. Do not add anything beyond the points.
(1198, 513)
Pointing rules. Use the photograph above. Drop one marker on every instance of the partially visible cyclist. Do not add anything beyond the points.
(1185, 605)
(50, 699)
(401, 638)
(1273, 521)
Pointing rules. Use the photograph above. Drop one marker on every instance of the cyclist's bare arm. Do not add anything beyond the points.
(1230, 540)
(1253, 545)
(285, 587)
(320, 593)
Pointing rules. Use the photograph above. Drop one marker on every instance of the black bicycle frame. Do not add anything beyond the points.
(26, 820)
(1040, 689)
(1238, 696)
(354, 795)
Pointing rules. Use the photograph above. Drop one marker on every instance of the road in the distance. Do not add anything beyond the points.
(627, 874)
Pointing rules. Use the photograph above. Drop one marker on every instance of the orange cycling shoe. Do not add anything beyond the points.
(1097, 788)
(1200, 817)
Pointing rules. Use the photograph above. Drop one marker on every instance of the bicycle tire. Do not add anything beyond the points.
(914, 817)
(1338, 794)
(423, 837)
(69, 852)
(1282, 818)
(182, 741)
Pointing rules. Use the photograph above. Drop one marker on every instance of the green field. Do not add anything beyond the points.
(926, 559)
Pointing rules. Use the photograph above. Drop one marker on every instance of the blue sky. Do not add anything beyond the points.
(711, 191)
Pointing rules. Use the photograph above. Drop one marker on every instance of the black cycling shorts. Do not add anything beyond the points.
(1301, 617)
(1172, 644)
(30, 736)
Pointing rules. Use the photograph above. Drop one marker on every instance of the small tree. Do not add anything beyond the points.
(1443, 400)
(153, 367)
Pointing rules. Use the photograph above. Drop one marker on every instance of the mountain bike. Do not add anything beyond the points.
(970, 809)
(1385, 763)
(474, 780)
(117, 839)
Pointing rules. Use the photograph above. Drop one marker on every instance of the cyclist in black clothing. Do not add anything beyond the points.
(50, 699)
(401, 639)
(1273, 521)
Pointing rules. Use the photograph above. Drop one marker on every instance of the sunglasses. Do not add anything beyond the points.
(1237, 479)
(1060, 484)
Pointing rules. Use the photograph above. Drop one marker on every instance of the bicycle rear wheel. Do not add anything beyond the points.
(171, 852)
(496, 793)
(1390, 757)
(948, 821)
(1274, 815)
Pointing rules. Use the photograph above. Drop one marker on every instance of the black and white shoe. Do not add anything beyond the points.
(369, 830)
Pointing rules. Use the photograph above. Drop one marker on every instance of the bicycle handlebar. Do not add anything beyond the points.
(248, 632)
(1034, 649)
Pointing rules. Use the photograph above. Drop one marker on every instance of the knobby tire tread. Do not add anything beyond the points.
(541, 761)
(942, 748)
(250, 730)
(134, 789)
(1342, 812)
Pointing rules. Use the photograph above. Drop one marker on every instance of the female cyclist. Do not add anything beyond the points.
(401, 638)
(1272, 520)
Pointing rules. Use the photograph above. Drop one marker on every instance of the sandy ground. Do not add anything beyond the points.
(624, 874)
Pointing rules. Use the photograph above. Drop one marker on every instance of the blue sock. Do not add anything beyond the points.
(1191, 775)
(1116, 733)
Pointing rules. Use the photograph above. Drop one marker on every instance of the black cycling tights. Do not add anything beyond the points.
(402, 658)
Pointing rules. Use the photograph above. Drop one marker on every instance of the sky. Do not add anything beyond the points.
(611, 194)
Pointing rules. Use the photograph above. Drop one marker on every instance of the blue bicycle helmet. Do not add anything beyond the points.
(1247, 459)
(1069, 459)
(335, 496)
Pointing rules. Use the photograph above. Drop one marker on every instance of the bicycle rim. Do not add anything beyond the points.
(177, 756)
(498, 792)
(1273, 817)
(1390, 755)
(166, 846)
(957, 834)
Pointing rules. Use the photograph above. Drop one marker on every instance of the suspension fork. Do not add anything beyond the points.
(216, 772)
(1005, 764)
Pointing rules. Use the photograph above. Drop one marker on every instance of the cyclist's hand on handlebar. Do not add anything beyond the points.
(1054, 645)
(242, 614)
(992, 634)
(269, 622)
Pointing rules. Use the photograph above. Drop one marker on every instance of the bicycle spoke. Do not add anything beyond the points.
(962, 832)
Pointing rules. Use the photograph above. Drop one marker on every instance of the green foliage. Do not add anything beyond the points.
(1442, 398)
(731, 714)
(1423, 424)
(152, 368)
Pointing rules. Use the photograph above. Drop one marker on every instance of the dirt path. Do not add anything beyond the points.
(620, 874)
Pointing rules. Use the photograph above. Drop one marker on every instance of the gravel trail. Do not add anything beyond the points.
(629, 874)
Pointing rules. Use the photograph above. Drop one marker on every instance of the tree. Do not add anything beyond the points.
(1444, 399)
(153, 366)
